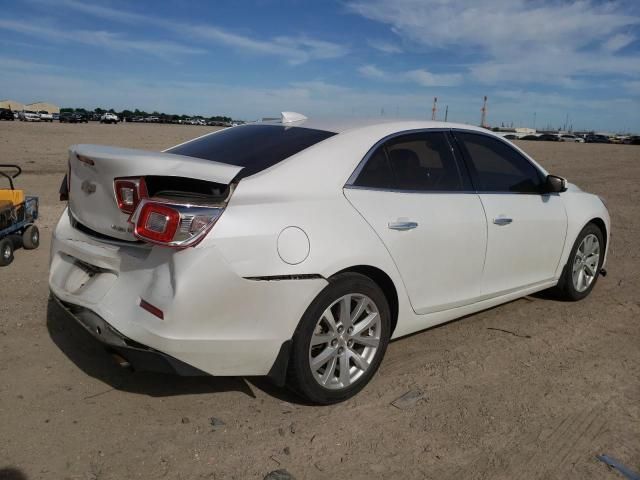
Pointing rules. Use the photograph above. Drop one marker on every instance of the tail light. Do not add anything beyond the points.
(129, 192)
(173, 224)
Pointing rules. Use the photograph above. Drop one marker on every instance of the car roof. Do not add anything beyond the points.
(341, 125)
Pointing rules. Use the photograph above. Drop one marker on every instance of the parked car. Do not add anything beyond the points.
(28, 116)
(567, 137)
(56, 116)
(6, 114)
(530, 137)
(73, 117)
(109, 118)
(297, 248)
(45, 116)
(597, 139)
(549, 137)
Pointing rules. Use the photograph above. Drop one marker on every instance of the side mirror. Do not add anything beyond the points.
(555, 184)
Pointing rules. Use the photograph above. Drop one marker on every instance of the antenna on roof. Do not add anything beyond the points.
(290, 117)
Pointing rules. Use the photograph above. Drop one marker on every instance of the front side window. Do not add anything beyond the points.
(413, 162)
(497, 167)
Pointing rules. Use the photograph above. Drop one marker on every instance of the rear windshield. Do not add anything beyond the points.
(254, 147)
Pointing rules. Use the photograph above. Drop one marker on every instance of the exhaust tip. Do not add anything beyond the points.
(120, 360)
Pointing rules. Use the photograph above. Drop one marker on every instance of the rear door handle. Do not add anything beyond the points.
(502, 220)
(403, 225)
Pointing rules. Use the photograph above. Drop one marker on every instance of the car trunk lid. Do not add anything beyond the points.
(93, 168)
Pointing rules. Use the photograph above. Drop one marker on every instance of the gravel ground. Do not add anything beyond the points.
(531, 389)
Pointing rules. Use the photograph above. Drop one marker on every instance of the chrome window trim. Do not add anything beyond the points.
(353, 177)
(450, 192)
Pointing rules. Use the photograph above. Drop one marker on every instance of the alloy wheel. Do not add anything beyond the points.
(585, 263)
(345, 341)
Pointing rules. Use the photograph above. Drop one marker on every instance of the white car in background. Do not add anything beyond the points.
(298, 248)
(28, 116)
(109, 118)
(45, 116)
(567, 137)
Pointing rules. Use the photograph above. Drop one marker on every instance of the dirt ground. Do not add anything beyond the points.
(539, 402)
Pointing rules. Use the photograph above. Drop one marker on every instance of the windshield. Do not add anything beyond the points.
(254, 147)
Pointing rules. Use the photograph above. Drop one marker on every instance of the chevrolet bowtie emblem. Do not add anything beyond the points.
(88, 187)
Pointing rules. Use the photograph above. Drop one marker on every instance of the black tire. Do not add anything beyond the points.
(566, 289)
(6, 252)
(300, 377)
(30, 237)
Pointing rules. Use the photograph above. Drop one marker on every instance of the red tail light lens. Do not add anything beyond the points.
(157, 222)
(173, 224)
(129, 192)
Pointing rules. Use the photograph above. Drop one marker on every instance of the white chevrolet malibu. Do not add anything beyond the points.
(298, 248)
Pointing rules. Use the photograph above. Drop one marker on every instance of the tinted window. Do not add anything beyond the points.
(254, 147)
(423, 161)
(377, 172)
(418, 162)
(497, 167)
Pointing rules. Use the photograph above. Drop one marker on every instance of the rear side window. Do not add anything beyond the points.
(497, 167)
(413, 162)
(254, 147)
(377, 172)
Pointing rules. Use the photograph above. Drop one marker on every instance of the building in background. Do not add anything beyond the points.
(43, 106)
(12, 105)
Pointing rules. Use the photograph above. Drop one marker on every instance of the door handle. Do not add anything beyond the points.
(403, 225)
(502, 220)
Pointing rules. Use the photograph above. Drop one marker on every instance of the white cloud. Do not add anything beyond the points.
(420, 77)
(517, 40)
(103, 39)
(618, 42)
(384, 47)
(371, 71)
(295, 50)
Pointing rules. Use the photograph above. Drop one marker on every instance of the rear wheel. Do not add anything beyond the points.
(6, 252)
(31, 237)
(583, 266)
(341, 340)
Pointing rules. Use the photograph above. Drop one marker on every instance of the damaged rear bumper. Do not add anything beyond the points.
(126, 352)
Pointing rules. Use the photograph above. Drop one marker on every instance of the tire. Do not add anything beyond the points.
(570, 288)
(31, 238)
(6, 252)
(322, 383)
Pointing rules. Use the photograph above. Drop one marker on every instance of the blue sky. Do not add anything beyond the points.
(532, 58)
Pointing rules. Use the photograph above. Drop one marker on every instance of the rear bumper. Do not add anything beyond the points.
(127, 352)
(213, 319)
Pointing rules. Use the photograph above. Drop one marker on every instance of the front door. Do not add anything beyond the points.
(526, 227)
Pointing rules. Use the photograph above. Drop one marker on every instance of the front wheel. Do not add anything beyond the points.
(583, 266)
(340, 341)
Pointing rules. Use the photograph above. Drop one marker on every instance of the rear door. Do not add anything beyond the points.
(416, 197)
(526, 227)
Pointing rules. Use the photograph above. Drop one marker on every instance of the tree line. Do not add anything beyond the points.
(142, 113)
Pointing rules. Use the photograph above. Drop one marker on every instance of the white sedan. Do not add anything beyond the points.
(298, 248)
